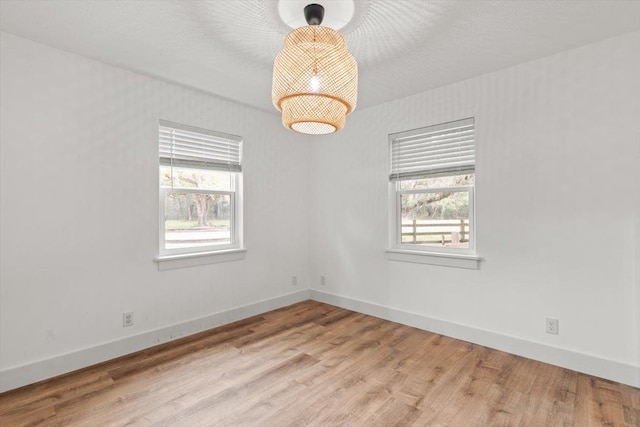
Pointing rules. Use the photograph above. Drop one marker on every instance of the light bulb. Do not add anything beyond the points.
(314, 83)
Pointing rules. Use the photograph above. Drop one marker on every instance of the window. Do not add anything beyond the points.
(200, 190)
(432, 180)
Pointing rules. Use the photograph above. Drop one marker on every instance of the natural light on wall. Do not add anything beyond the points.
(315, 78)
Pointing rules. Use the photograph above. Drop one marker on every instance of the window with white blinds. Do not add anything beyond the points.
(186, 146)
(432, 186)
(441, 150)
(200, 191)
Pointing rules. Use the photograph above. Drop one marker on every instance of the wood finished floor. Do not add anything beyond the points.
(315, 364)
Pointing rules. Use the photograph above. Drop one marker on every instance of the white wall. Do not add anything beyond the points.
(558, 209)
(79, 202)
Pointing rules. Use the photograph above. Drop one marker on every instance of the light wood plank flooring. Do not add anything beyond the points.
(315, 364)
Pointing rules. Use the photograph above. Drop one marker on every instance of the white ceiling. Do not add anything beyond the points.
(227, 47)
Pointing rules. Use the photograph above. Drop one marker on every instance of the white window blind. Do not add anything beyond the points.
(187, 146)
(441, 150)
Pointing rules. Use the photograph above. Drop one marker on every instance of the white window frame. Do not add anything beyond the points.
(395, 223)
(177, 258)
(429, 254)
(236, 218)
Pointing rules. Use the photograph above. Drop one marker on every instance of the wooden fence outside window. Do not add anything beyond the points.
(451, 232)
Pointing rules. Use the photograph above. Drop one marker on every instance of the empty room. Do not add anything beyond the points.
(342, 213)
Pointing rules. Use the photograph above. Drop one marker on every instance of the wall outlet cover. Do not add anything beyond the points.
(127, 319)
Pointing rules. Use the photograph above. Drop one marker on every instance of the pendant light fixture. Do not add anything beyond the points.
(315, 78)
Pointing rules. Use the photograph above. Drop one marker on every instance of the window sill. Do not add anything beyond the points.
(471, 262)
(170, 262)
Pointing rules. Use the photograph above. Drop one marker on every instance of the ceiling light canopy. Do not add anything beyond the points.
(315, 78)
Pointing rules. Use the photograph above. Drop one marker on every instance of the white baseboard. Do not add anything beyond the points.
(27, 374)
(36, 371)
(581, 362)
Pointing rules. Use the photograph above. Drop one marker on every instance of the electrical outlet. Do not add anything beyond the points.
(127, 319)
(294, 280)
(552, 326)
(323, 281)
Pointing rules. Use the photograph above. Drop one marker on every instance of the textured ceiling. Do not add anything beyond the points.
(227, 47)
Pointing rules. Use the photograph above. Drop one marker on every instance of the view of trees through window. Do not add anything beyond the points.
(198, 207)
(436, 211)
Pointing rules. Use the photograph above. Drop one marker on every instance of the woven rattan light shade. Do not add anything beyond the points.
(315, 81)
